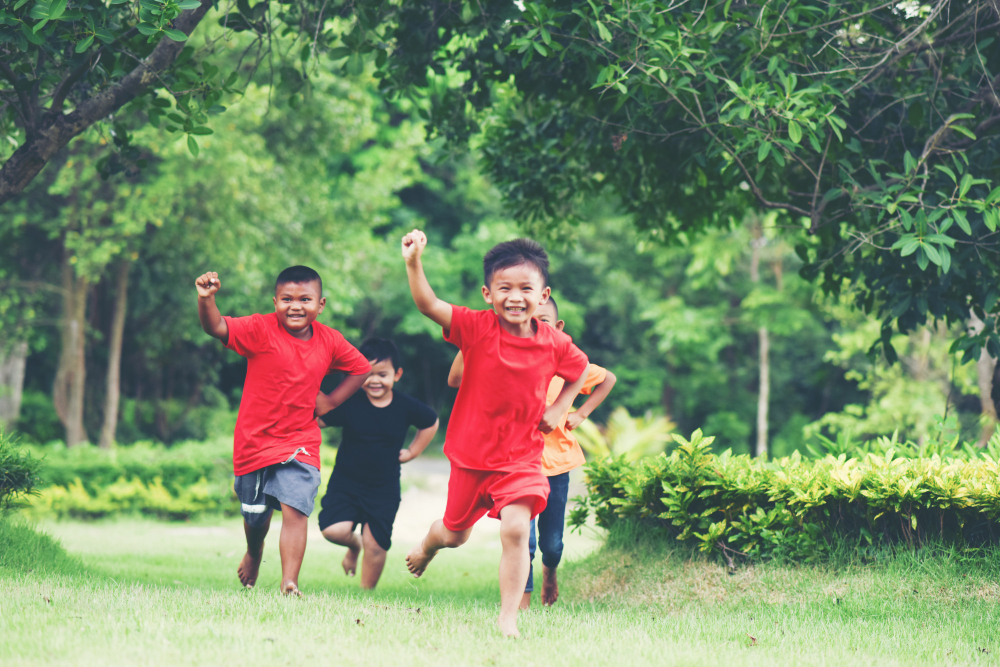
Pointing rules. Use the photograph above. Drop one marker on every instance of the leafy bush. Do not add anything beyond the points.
(18, 472)
(797, 507)
(632, 437)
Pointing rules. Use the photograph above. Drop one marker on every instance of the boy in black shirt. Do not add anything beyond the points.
(364, 485)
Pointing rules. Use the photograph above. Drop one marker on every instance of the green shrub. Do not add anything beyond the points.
(797, 507)
(38, 421)
(18, 472)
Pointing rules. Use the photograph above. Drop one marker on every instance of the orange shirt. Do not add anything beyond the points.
(562, 452)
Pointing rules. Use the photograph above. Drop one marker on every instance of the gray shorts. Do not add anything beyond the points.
(262, 491)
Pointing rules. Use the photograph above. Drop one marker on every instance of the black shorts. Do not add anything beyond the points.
(375, 508)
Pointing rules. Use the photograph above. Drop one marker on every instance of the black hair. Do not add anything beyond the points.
(298, 274)
(514, 253)
(380, 349)
(555, 306)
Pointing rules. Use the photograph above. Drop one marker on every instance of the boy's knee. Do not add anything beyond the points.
(515, 531)
(452, 539)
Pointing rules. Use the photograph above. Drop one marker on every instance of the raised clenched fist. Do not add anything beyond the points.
(208, 284)
(413, 245)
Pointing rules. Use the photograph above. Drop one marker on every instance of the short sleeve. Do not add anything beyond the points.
(595, 376)
(421, 415)
(465, 326)
(346, 358)
(572, 362)
(247, 335)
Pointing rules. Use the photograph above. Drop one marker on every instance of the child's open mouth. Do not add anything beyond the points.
(516, 310)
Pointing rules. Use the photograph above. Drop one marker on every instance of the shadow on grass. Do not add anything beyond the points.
(24, 549)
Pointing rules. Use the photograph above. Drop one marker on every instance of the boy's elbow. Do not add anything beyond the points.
(610, 379)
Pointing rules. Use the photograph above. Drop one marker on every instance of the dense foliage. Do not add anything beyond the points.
(883, 493)
(873, 126)
(18, 472)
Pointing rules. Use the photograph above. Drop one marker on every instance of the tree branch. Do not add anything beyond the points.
(59, 129)
(26, 111)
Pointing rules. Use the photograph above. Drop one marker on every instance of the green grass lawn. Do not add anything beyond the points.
(166, 594)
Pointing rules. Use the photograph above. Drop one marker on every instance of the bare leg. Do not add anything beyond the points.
(249, 567)
(514, 523)
(292, 544)
(525, 601)
(550, 587)
(374, 559)
(342, 533)
(437, 538)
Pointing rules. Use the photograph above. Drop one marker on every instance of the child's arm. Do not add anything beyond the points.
(344, 390)
(596, 397)
(456, 372)
(211, 319)
(562, 404)
(420, 442)
(427, 302)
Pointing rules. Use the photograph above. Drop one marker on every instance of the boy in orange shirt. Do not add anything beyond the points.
(562, 453)
(494, 440)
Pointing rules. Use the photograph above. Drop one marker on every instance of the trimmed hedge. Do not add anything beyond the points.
(797, 507)
(178, 482)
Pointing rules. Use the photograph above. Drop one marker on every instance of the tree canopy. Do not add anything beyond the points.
(872, 126)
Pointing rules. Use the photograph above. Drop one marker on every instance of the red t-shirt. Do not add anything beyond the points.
(494, 424)
(279, 395)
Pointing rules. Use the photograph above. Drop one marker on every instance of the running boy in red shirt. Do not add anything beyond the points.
(562, 453)
(494, 439)
(276, 442)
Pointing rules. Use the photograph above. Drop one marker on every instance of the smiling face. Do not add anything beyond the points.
(297, 306)
(379, 384)
(515, 293)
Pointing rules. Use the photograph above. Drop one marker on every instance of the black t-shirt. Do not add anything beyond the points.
(372, 437)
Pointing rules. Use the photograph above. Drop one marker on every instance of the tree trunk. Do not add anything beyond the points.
(763, 348)
(68, 390)
(12, 383)
(115, 357)
(985, 367)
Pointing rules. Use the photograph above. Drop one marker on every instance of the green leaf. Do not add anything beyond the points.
(146, 29)
(355, 64)
(762, 152)
(922, 261)
(962, 221)
(964, 130)
(963, 188)
(201, 130)
(84, 45)
(794, 131)
(603, 31)
(546, 37)
(56, 9)
(945, 259)
(39, 25)
(932, 253)
(990, 218)
(189, 4)
(175, 35)
(947, 171)
(192, 146)
(19, 4)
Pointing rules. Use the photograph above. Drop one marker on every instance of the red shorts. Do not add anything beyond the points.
(473, 493)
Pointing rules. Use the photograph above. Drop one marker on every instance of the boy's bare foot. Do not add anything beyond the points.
(525, 601)
(289, 588)
(249, 568)
(550, 587)
(508, 626)
(418, 559)
(350, 562)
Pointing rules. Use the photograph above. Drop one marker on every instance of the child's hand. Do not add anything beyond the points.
(413, 245)
(574, 419)
(550, 419)
(405, 455)
(208, 284)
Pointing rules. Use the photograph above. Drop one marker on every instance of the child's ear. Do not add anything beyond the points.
(487, 296)
(560, 324)
(275, 300)
(322, 304)
(399, 374)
